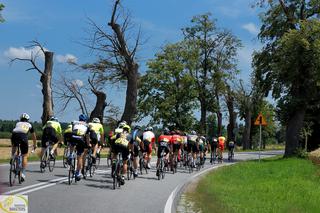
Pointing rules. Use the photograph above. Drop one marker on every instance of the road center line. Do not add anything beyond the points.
(34, 185)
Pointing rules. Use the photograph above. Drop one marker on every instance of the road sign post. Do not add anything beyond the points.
(260, 121)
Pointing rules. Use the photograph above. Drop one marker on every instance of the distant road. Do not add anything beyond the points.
(49, 192)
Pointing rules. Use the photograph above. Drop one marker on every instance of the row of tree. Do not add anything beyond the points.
(199, 74)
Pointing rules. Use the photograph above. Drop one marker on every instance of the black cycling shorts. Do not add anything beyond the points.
(192, 147)
(165, 148)
(67, 137)
(22, 139)
(147, 147)
(123, 149)
(93, 137)
(135, 150)
(80, 144)
(176, 147)
(48, 135)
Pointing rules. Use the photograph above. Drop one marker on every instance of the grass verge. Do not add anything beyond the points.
(274, 185)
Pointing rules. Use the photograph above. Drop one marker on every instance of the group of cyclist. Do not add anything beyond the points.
(83, 134)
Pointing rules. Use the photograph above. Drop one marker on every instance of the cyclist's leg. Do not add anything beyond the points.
(80, 146)
(135, 158)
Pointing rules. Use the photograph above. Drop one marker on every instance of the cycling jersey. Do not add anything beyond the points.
(20, 136)
(221, 141)
(149, 136)
(96, 127)
(96, 130)
(55, 125)
(79, 128)
(23, 127)
(176, 139)
(192, 139)
(164, 140)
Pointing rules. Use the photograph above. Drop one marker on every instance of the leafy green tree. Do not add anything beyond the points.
(217, 50)
(167, 92)
(289, 62)
(1, 8)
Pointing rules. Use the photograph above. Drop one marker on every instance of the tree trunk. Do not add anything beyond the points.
(203, 116)
(232, 117)
(130, 108)
(294, 126)
(98, 111)
(247, 130)
(46, 79)
(219, 117)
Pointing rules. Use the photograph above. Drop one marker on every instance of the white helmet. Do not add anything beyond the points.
(96, 120)
(149, 128)
(24, 116)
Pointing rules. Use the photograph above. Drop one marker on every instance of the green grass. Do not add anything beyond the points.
(274, 185)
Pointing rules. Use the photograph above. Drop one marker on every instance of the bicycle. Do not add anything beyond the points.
(198, 162)
(116, 173)
(66, 153)
(47, 159)
(213, 155)
(143, 162)
(231, 154)
(72, 167)
(109, 159)
(15, 167)
(190, 162)
(219, 153)
(162, 167)
(89, 165)
(130, 170)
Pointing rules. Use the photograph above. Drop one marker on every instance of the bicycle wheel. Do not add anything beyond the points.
(129, 169)
(141, 165)
(66, 152)
(13, 172)
(163, 172)
(71, 171)
(43, 162)
(97, 162)
(115, 175)
(51, 163)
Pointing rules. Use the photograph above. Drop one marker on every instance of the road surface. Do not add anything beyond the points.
(50, 192)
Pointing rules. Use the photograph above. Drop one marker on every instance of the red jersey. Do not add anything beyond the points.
(164, 140)
(176, 139)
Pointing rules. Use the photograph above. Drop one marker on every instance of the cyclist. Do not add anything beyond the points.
(148, 141)
(164, 141)
(121, 146)
(192, 145)
(213, 149)
(176, 142)
(51, 133)
(230, 149)
(20, 136)
(135, 144)
(96, 136)
(221, 141)
(80, 138)
(202, 143)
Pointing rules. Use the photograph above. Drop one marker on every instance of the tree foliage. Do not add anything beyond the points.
(288, 64)
(167, 90)
(1, 8)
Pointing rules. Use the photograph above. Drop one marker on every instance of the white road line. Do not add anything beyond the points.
(170, 200)
(34, 185)
(42, 187)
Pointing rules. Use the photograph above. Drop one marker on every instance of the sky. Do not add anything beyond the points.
(61, 26)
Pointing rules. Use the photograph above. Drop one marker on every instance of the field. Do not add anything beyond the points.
(274, 185)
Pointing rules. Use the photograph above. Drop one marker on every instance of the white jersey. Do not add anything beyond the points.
(192, 138)
(23, 127)
(148, 136)
(79, 128)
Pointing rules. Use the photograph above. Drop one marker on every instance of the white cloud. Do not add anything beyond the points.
(251, 28)
(22, 52)
(68, 58)
(78, 82)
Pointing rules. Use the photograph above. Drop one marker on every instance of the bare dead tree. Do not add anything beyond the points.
(45, 77)
(96, 85)
(68, 90)
(118, 57)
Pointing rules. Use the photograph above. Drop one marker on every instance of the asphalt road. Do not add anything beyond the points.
(50, 192)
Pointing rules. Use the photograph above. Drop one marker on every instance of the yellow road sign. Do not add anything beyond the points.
(260, 120)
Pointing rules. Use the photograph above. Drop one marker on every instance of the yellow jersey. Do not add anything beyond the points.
(55, 125)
